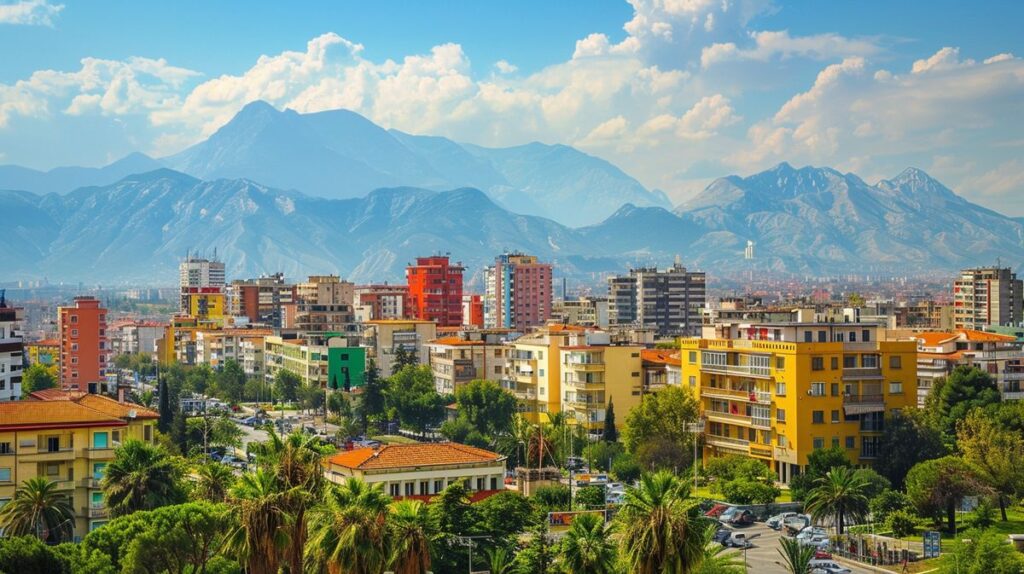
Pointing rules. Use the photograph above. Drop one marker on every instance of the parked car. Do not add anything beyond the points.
(822, 554)
(742, 518)
(721, 535)
(775, 522)
(728, 514)
(818, 541)
(828, 567)
(811, 531)
(795, 524)
(575, 463)
(737, 540)
(717, 510)
(614, 497)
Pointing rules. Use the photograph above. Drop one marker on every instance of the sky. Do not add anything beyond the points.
(675, 92)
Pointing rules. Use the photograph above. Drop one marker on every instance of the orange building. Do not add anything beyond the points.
(473, 310)
(84, 349)
(435, 290)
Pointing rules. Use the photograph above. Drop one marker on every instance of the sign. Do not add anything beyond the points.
(968, 503)
(932, 544)
(565, 518)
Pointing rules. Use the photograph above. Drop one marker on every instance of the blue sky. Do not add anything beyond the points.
(676, 92)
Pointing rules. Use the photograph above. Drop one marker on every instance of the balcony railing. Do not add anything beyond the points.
(862, 373)
(741, 370)
(96, 510)
(737, 394)
(727, 417)
(864, 399)
(728, 442)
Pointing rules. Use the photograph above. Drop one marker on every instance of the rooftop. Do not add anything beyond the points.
(98, 403)
(662, 356)
(45, 414)
(402, 456)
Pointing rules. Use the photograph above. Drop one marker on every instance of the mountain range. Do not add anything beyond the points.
(807, 221)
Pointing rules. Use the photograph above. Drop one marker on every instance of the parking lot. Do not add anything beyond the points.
(763, 556)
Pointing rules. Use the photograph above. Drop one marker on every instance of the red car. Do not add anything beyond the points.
(820, 554)
(716, 510)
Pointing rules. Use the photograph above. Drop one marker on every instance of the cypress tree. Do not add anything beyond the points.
(611, 434)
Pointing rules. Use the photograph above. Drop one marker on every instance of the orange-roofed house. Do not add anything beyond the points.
(662, 368)
(939, 352)
(420, 469)
(69, 438)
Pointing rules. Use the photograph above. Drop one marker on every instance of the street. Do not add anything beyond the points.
(763, 557)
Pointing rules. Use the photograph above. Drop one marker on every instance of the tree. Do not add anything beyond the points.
(310, 397)
(909, 438)
(995, 453)
(486, 406)
(901, 523)
(286, 385)
(745, 491)
(552, 498)
(141, 477)
(457, 429)
(589, 498)
(38, 509)
(661, 529)
(213, 481)
(887, 502)
(625, 468)
(260, 534)
(350, 532)
(413, 531)
(611, 434)
(230, 381)
(796, 557)
(937, 486)
(662, 424)
(411, 393)
(600, 455)
(874, 483)
(403, 359)
(952, 397)
(538, 555)
(504, 515)
(372, 402)
(819, 463)
(716, 558)
(37, 378)
(27, 555)
(982, 552)
(166, 412)
(500, 561)
(840, 494)
(338, 405)
(454, 517)
(587, 546)
(181, 538)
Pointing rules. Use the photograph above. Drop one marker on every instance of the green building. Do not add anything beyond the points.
(346, 368)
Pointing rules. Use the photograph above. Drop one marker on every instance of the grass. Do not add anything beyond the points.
(1013, 525)
(393, 439)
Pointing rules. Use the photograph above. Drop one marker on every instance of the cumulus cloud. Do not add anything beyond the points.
(504, 67)
(945, 59)
(779, 44)
(30, 13)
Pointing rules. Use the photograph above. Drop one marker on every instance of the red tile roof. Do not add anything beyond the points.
(99, 403)
(55, 395)
(27, 415)
(662, 356)
(985, 337)
(455, 341)
(934, 338)
(398, 456)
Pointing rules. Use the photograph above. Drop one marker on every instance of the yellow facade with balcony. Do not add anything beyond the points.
(69, 438)
(593, 375)
(779, 392)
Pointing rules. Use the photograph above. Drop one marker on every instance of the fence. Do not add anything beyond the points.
(877, 550)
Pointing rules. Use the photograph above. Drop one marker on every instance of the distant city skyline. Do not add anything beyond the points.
(675, 93)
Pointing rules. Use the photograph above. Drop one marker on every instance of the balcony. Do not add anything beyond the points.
(740, 370)
(105, 453)
(1013, 395)
(728, 442)
(862, 373)
(734, 394)
(761, 423)
(91, 482)
(760, 450)
(583, 384)
(861, 404)
(525, 395)
(95, 510)
(44, 455)
(64, 484)
(730, 418)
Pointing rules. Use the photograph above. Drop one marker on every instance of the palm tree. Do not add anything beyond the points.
(797, 557)
(412, 532)
(840, 494)
(513, 443)
(141, 477)
(213, 481)
(260, 534)
(38, 509)
(587, 547)
(661, 530)
(296, 461)
(499, 561)
(717, 559)
(350, 529)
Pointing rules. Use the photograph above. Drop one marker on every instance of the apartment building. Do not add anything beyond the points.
(435, 290)
(207, 304)
(132, 336)
(261, 300)
(323, 309)
(383, 339)
(939, 352)
(662, 368)
(11, 351)
(586, 311)
(382, 301)
(197, 272)
(670, 301)
(468, 355)
(594, 373)
(84, 346)
(218, 346)
(778, 391)
(518, 292)
(987, 296)
(46, 353)
(473, 311)
(69, 438)
(925, 314)
(335, 365)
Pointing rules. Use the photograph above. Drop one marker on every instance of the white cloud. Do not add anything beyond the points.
(947, 58)
(504, 67)
(779, 44)
(30, 13)
(1006, 179)
(999, 58)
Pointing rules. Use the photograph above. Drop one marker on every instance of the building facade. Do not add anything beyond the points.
(84, 346)
(382, 301)
(323, 309)
(939, 352)
(778, 391)
(194, 272)
(12, 351)
(262, 300)
(457, 359)
(435, 290)
(595, 373)
(518, 292)
(987, 296)
(669, 301)
(385, 337)
(586, 311)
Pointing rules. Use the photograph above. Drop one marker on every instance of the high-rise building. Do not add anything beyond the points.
(323, 308)
(84, 348)
(435, 290)
(382, 301)
(518, 292)
(468, 355)
(196, 272)
(777, 392)
(473, 310)
(987, 296)
(669, 301)
(262, 300)
(11, 351)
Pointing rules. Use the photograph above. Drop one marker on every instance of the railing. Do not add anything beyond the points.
(91, 482)
(863, 399)
(742, 370)
(1013, 395)
(726, 441)
(995, 355)
(97, 452)
(727, 417)
(762, 450)
(863, 373)
(735, 394)
(760, 422)
(96, 510)
(1015, 376)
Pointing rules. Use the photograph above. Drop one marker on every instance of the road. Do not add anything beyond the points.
(763, 557)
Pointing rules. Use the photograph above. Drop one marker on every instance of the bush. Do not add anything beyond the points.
(599, 454)
(589, 497)
(28, 555)
(550, 498)
(745, 491)
(887, 502)
(984, 515)
(902, 523)
(626, 469)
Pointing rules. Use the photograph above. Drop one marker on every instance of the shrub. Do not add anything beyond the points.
(626, 468)
(902, 523)
(887, 502)
(744, 491)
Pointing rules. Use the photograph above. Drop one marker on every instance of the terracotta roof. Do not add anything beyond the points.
(55, 395)
(662, 356)
(454, 341)
(44, 343)
(113, 408)
(954, 356)
(934, 338)
(558, 328)
(984, 336)
(398, 456)
(51, 414)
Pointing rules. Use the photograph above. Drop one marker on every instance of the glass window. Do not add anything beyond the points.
(817, 389)
(693, 357)
(895, 362)
(819, 442)
(99, 440)
(895, 388)
(817, 364)
(835, 441)
(394, 490)
(780, 415)
(849, 361)
(780, 363)
(850, 443)
(98, 469)
(835, 419)
(780, 389)
(835, 363)
(5, 474)
(808, 337)
(834, 388)
(818, 417)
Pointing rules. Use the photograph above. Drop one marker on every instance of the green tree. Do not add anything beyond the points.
(76, 559)
(213, 480)
(402, 360)
(181, 538)
(38, 509)
(589, 498)
(587, 546)
(661, 425)
(887, 502)
(28, 555)
(716, 558)
(539, 554)
(952, 397)
(338, 405)
(600, 455)
(37, 378)
(311, 398)
(350, 529)
(937, 486)
(286, 385)
(901, 522)
(411, 393)
(457, 429)
(166, 412)
(661, 528)
(982, 552)
(796, 557)
(819, 463)
(372, 401)
(839, 494)
(745, 491)
(141, 477)
(504, 515)
(259, 536)
(454, 517)
(551, 498)
(413, 531)
(625, 468)
(500, 560)
(230, 381)
(486, 406)
(611, 434)
(908, 438)
(996, 454)
(875, 483)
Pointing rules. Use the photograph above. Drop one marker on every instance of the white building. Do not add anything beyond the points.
(11, 352)
(196, 272)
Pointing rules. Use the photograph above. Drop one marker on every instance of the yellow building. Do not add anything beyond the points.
(594, 374)
(46, 353)
(778, 391)
(68, 437)
(207, 304)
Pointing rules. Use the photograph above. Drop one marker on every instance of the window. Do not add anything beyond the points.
(819, 443)
(634, 374)
(780, 389)
(817, 389)
(818, 417)
(895, 362)
(74, 318)
(849, 361)
(409, 488)
(693, 381)
(865, 336)
(835, 442)
(780, 415)
(850, 442)
(783, 441)
(494, 483)
(394, 490)
(808, 337)
(424, 487)
(438, 486)
(780, 363)
(99, 440)
(895, 388)
(480, 484)
(148, 433)
(116, 437)
(540, 372)
(869, 361)
(834, 389)
(693, 357)
(835, 418)
(98, 468)
(5, 474)
(853, 336)
(835, 363)
(52, 469)
(52, 444)
(817, 364)
(74, 332)
(822, 337)
(5, 448)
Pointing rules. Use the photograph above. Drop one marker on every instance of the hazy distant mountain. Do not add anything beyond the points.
(65, 179)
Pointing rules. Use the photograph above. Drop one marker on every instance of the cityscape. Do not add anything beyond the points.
(409, 301)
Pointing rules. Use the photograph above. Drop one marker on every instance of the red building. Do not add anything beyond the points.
(473, 310)
(84, 347)
(435, 290)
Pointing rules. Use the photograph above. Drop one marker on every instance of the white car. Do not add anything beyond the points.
(818, 541)
(828, 567)
(811, 531)
(775, 522)
(737, 540)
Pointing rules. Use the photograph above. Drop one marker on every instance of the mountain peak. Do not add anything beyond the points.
(257, 107)
(914, 174)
